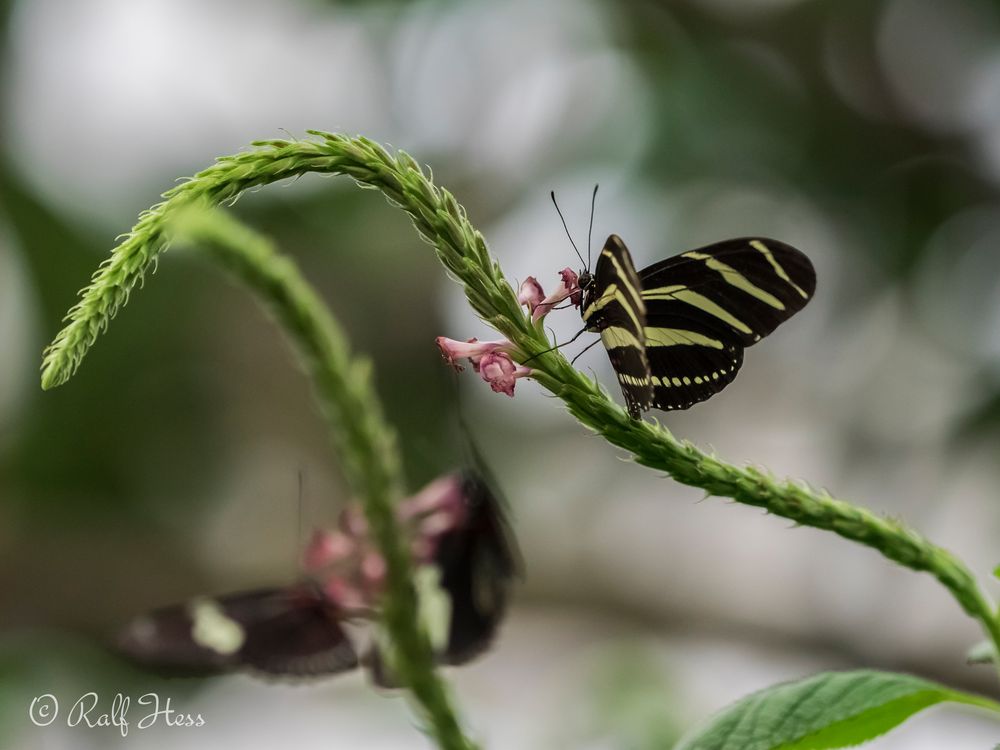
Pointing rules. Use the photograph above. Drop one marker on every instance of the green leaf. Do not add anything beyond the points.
(996, 572)
(827, 710)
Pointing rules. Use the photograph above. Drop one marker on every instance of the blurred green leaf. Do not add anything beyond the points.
(827, 710)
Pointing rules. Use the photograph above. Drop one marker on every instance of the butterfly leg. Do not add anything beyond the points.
(584, 351)
(557, 346)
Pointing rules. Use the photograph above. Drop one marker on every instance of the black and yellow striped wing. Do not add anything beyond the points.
(705, 306)
(613, 306)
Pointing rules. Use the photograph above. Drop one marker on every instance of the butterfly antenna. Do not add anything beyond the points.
(590, 229)
(553, 195)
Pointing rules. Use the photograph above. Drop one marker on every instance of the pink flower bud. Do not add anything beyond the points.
(572, 283)
(327, 548)
(531, 293)
(352, 523)
(442, 493)
(373, 569)
(500, 371)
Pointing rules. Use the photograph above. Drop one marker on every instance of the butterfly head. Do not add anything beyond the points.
(585, 279)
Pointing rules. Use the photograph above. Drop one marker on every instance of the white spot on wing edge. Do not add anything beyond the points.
(213, 629)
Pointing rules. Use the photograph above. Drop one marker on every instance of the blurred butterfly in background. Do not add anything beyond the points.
(298, 630)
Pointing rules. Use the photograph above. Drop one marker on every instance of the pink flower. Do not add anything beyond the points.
(473, 350)
(572, 283)
(501, 372)
(442, 496)
(569, 288)
(349, 567)
(437, 509)
(327, 548)
(353, 523)
(531, 293)
(373, 569)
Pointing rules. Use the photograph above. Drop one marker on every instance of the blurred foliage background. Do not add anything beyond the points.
(865, 132)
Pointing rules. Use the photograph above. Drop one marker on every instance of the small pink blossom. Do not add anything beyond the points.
(572, 283)
(353, 523)
(373, 569)
(327, 548)
(346, 562)
(437, 509)
(443, 495)
(473, 350)
(569, 288)
(501, 372)
(531, 293)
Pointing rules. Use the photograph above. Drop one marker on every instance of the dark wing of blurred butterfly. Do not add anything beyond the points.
(477, 565)
(279, 631)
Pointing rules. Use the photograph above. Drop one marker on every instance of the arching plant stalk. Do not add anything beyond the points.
(441, 221)
(366, 444)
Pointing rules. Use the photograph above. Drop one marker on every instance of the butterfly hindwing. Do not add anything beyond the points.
(290, 631)
(684, 375)
(614, 307)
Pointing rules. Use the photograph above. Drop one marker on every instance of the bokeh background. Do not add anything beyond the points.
(865, 132)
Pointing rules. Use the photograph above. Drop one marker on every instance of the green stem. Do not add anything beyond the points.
(366, 444)
(442, 222)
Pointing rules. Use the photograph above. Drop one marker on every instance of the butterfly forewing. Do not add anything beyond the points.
(614, 307)
(746, 287)
(283, 631)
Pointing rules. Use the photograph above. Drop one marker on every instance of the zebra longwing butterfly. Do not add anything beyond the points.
(676, 331)
(297, 631)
